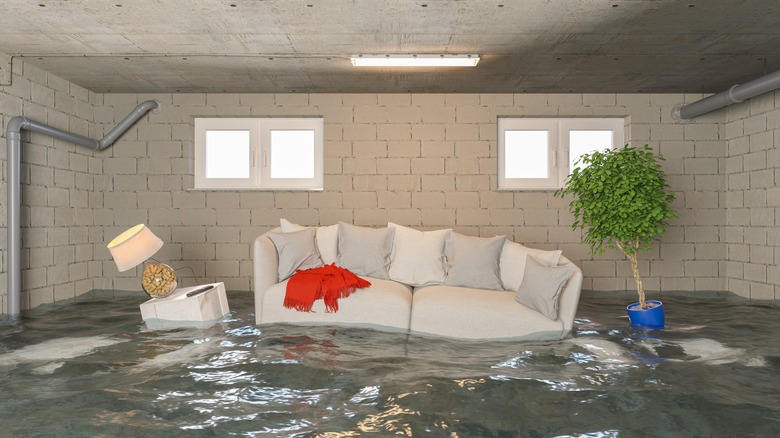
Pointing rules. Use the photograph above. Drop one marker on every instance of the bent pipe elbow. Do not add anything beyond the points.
(125, 124)
(16, 124)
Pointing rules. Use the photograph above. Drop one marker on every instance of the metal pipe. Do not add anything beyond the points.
(126, 123)
(735, 94)
(13, 205)
(13, 223)
(16, 124)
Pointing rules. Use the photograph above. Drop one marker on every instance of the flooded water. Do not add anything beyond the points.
(91, 368)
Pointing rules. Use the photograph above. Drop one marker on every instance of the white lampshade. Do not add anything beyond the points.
(133, 247)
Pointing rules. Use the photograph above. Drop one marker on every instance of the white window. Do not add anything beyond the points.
(538, 153)
(259, 153)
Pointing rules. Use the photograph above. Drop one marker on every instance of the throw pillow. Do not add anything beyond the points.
(513, 259)
(327, 239)
(417, 258)
(365, 251)
(473, 261)
(296, 250)
(541, 287)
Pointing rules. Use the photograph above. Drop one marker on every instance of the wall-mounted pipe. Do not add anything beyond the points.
(13, 138)
(735, 94)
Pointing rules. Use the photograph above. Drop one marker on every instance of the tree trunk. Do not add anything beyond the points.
(632, 256)
(640, 289)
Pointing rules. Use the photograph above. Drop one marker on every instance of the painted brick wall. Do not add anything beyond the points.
(422, 160)
(58, 189)
(752, 197)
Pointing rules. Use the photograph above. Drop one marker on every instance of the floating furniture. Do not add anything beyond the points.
(198, 307)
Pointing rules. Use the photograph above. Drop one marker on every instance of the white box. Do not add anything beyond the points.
(200, 310)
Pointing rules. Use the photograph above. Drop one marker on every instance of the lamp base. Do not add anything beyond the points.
(159, 280)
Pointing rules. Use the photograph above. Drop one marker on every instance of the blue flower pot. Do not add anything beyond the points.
(650, 317)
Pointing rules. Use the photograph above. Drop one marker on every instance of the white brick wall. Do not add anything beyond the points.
(428, 161)
(58, 189)
(423, 160)
(752, 168)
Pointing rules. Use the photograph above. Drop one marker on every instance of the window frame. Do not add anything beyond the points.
(558, 149)
(260, 153)
(292, 124)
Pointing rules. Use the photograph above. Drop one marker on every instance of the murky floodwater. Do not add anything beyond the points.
(92, 369)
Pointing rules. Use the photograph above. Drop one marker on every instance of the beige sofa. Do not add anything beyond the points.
(436, 309)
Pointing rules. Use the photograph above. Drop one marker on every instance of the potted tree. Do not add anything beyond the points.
(621, 201)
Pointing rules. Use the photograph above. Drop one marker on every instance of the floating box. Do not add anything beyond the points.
(199, 310)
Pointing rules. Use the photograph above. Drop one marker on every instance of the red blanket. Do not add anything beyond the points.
(328, 282)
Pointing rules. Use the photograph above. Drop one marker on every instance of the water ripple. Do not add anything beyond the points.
(710, 372)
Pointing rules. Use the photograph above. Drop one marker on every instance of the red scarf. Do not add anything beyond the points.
(328, 282)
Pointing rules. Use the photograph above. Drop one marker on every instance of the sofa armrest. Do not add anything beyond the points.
(570, 296)
(266, 270)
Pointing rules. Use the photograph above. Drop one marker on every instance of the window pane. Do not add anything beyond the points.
(292, 153)
(584, 142)
(525, 154)
(227, 154)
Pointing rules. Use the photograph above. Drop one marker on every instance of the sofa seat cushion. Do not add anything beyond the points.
(384, 304)
(467, 313)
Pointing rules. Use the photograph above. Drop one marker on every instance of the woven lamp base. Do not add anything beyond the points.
(159, 280)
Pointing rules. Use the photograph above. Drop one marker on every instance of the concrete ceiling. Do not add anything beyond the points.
(304, 45)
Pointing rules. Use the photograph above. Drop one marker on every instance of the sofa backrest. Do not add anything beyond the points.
(511, 263)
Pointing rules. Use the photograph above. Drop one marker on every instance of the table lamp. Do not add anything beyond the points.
(135, 246)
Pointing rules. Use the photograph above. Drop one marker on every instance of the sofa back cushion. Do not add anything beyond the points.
(365, 251)
(513, 262)
(473, 261)
(327, 239)
(417, 258)
(296, 250)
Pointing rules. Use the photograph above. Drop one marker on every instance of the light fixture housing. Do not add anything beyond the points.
(430, 60)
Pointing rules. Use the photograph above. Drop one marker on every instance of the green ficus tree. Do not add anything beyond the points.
(621, 201)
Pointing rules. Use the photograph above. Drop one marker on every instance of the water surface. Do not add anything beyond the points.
(91, 368)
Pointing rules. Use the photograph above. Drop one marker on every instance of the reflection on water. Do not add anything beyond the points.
(91, 368)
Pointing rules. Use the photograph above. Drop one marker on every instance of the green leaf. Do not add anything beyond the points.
(621, 196)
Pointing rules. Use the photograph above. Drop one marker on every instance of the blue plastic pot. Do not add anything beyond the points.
(650, 317)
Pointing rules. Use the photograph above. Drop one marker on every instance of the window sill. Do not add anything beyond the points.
(253, 189)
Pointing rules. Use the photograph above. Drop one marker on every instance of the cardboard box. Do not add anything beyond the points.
(199, 310)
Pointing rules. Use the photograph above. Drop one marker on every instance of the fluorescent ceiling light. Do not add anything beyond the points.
(414, 60)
